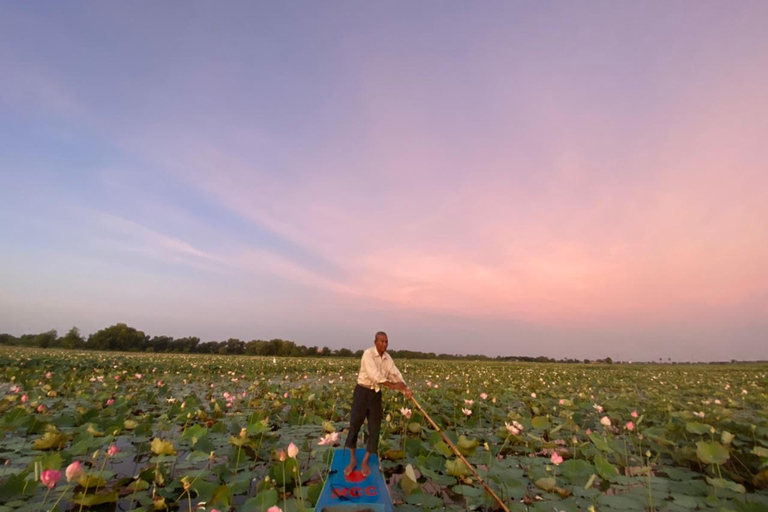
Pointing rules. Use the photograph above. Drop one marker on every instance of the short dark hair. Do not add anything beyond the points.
(380, 333)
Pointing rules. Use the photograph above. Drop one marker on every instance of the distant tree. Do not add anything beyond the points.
(46, 339)
(73, 339)
(186, 345)
(8, 339)
(160, 344)
(117, 337)
(257, 348)
(235, 346)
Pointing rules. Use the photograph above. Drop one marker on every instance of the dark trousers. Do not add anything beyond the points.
(366, 403)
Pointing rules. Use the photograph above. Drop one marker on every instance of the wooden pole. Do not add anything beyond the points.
(456, 451)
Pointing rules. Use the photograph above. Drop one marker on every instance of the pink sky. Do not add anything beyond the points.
(560, 181)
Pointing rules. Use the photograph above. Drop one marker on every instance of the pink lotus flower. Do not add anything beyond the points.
(113, 450)
(138, 376)
(561, 401)
(467, 412)
(48, 375)
(437, 386)
(598, 408)
(50, 478)
(484, 396)
(274, 508)
(406, 412)
(110, 401)
(73, 471)
(605, 421)
(159, 383)
(293, 450)
(533, 395)
(556, 459)
(281, 455)
(469, 402)
(24, 398)
(589, 431)
(634, 414)
(511, 429)
(41, 408)
(630, 426)
(329, 439)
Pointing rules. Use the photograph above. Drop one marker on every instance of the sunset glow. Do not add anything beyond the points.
(571, 180)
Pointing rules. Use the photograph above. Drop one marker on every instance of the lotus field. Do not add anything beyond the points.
(115, 431)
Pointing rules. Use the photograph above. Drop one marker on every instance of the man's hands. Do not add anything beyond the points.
(400, 386)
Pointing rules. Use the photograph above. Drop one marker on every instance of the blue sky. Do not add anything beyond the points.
(571, 180)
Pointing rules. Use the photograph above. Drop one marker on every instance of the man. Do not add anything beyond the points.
(376, 370)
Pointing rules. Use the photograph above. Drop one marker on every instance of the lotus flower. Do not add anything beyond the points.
(406, 412)
(484, 396)
(605, 421)
(293, 450)
(329, 439)
(634, 414)
(630, 426)
(511, 429)
(73, 471)
(274, 508)
(467, 412)
(113, 450)
(50, 478)
(556, 459)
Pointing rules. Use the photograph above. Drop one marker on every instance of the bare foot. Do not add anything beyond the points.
(365, 467)
(350, 467)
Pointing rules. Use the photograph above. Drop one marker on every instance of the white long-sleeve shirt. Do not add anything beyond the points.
(375, 369)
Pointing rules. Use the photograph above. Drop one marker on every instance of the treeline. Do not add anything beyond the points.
(121, 337)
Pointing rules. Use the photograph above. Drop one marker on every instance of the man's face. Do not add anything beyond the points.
(381, 343)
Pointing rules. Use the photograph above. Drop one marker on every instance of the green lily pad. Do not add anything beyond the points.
(712, 452)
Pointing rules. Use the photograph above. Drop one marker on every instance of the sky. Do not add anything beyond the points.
(567, 179)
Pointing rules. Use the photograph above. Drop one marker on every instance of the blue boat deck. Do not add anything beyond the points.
(355, 492)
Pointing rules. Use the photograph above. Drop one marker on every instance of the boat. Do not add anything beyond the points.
(354, 492)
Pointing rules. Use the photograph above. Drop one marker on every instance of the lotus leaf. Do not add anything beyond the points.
(160, 447)
(456, 467)
(711, 452)
(467, 446)
(50, 441)
(722, 483)
(92, 500)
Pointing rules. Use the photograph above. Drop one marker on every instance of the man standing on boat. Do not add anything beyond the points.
(376, 370)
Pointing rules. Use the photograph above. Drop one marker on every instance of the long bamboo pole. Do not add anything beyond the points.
(456, 451)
